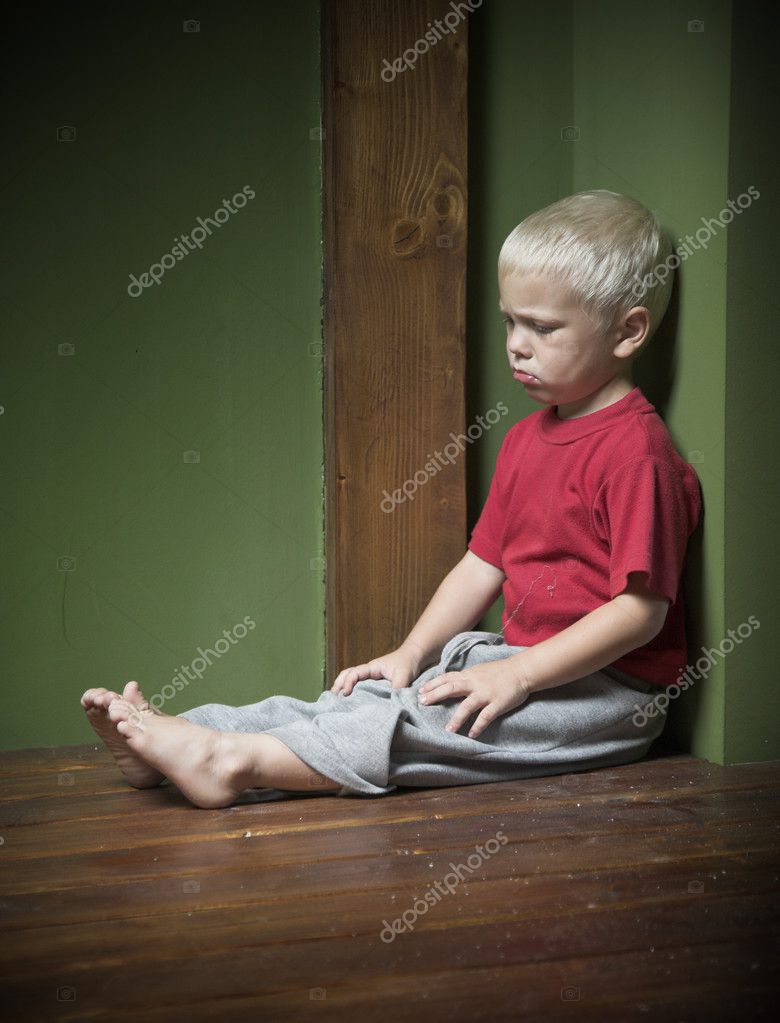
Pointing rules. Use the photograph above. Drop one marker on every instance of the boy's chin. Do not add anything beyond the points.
(538, 394)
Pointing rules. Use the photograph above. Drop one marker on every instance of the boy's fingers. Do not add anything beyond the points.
(342, 676)
(462, 714)
(399, 683)
(483, 720)
(347, 678)
(440, 688)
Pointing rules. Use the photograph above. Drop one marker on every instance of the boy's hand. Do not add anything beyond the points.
(399, 667)
(496, 687)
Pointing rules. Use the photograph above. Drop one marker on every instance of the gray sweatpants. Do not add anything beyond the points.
(378, 738)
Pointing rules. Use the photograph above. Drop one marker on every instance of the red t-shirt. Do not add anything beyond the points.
(577, 504)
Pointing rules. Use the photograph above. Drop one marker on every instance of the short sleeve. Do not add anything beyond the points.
(645, 511)
(487, 535)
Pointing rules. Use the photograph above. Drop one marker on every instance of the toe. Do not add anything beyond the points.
(106, 697)
(133, 694)
(119, 709)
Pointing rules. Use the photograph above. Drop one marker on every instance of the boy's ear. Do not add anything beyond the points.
(632, 330)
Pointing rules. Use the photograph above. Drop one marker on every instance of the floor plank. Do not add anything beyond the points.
(646, 892)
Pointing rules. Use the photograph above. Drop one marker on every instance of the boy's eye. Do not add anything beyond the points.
(534, 326)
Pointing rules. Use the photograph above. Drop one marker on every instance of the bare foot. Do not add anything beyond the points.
(96, 703)
(210, 768)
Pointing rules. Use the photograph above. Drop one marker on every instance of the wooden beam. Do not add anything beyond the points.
(395, 149)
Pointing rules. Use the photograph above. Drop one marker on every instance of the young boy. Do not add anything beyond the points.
(585, 529)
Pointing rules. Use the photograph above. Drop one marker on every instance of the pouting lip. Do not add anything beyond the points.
(517, 369)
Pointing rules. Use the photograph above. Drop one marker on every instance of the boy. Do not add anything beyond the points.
(585, 529)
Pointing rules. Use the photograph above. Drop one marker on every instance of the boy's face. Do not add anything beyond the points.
(551, 337)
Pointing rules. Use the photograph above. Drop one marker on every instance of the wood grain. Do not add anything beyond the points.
(394, 223)
(647, 891)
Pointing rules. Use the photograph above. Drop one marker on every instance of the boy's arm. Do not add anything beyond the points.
(626, 622)
(461, 599)
(629, 620)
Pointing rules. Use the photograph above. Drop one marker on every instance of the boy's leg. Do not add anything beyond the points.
(257, 717)
(595, 721)
(211, 768)
(336, 743)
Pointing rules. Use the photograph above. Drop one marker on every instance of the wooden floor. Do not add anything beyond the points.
(645, 892)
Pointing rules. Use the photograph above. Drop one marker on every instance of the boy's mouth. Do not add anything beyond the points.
(525, 378)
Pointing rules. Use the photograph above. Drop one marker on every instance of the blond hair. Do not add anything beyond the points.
(607, 247)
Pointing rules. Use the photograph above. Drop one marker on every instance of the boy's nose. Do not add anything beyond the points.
(518, 345)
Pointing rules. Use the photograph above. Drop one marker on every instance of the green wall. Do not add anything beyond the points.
(223, 358)
(650, 102)
(162, 552)
(752, 371)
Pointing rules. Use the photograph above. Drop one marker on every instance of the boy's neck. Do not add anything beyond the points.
(607, 395)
